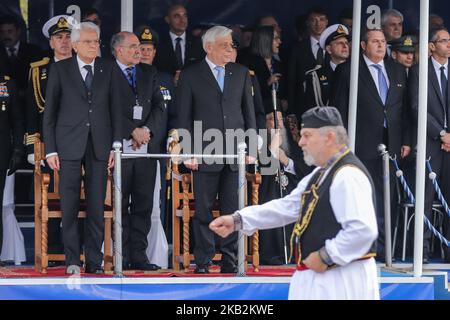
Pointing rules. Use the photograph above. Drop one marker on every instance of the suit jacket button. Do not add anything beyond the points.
(88, 124)
(90, 110)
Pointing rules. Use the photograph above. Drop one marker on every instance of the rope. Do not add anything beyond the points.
(412, 200)
(432, 177)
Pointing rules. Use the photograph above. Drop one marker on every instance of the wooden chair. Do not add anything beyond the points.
(183, 209)
(47, 206)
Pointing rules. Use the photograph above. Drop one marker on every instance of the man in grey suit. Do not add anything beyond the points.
(81, 121)
(438, 131)
(217, 93)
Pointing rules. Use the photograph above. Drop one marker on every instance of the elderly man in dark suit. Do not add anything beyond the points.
(438, 131)
(81, 121)
(217, 93)
(382, 112)
(176, 48)
(138, 93)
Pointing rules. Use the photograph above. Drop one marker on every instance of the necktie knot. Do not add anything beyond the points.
(88, 68)
(129, 71)
(12, 51)
(178, 39)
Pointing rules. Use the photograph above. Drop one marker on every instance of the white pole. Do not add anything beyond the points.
(126, 15)
(387, 205)
(354, 70)
(241, 200)
(421, 138)
(118, 208)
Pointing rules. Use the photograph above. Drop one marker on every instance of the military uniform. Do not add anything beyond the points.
(36, 101)
(319, 80)
(317, 85)
(11, 123)
(35, 106)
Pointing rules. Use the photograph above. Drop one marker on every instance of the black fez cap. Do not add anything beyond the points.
(319, 117)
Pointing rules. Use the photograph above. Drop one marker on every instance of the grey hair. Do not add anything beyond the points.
(390, 13)
(117, 39)
(341, 133)
(215, 33)
(75, 34)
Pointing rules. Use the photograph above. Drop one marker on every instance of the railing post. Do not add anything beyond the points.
(118, 208)
(387, 204)
(241, 198)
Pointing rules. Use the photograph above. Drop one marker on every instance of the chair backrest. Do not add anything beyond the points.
(53, 190)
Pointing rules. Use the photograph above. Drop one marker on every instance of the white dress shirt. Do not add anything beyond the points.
(81, 65)
(212, 66)
(374, 72)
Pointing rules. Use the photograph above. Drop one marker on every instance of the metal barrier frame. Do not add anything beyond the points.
(118, 156)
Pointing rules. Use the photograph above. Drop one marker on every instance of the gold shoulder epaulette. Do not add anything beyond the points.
(7, 78)
(39, 63)
(251, 72)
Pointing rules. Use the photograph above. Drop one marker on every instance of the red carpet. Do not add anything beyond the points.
(28, 272)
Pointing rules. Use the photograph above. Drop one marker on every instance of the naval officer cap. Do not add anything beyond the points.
(57, 24)
(332, 33)
(319, 117)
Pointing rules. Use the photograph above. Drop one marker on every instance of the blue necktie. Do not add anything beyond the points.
(129, 74)
(220, 76)
(382, 83)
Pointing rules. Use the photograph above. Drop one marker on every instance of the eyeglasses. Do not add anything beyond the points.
(90, 42)
(445, 41)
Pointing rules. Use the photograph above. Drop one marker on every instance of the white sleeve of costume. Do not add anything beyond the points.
(275, 213)
(290, 167)
(352, 203)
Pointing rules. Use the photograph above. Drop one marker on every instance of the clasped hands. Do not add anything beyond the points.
(140, 136)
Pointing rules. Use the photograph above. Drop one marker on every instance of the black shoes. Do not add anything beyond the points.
(228, 269)
(201, 269)
(144, 266)
(93, 269)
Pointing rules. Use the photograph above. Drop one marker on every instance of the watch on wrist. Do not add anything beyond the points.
(442, 133)
(237, 219)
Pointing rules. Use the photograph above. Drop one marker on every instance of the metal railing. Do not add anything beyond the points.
(118, 156)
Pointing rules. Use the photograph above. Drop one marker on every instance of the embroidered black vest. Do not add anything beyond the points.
(321, 224)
